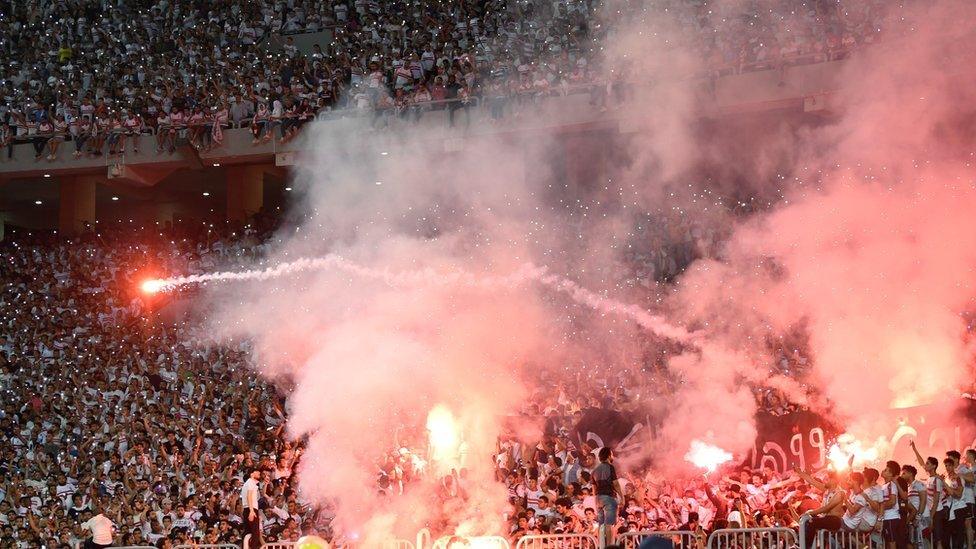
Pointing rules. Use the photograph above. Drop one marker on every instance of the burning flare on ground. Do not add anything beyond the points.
(706, 456)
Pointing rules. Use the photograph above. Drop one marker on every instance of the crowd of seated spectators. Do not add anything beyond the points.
(100, 74)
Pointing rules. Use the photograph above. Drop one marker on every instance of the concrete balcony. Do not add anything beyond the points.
(234, 180)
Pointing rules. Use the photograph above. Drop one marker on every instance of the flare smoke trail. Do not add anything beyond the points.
(526, 273)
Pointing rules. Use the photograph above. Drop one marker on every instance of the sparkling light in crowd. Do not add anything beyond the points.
(153, 286)
(846, 447)
(444, 438)
(706, 456)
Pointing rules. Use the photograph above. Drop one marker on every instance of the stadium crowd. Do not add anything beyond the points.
(158, 432)
(100, 74)
(560, 485)
(108, 417)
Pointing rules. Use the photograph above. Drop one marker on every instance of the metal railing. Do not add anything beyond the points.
(557, 541)
(846, 539)
(466, 542)
(750, 538)
(389, 544)
(423, 538)
(208, 546)
(679, 538)
(840, 539)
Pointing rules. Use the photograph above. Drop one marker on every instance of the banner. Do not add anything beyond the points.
(803, 439)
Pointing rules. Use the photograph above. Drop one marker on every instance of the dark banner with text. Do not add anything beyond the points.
(803, 439)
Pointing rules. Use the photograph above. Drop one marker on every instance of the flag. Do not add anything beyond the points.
(606, 427)
(217, 133)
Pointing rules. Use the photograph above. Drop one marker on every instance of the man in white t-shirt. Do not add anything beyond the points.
(101, 528)
(935, 495)
(875, 497)
(532, 494)
(893, 527)
(918, 506)
(967, 472)
(955, 505)
(249, 503)
(856, 506)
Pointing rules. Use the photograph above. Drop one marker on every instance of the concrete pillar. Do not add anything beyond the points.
(76, 203)
(245, 191)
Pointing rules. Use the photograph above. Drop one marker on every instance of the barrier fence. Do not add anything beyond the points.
(471, 542)
(423, 538)
(731, 538)
(750, 538)
(679, 538)
(389, 544)
(558, 541)
(844, 539)
(209, 546)
(841, 539)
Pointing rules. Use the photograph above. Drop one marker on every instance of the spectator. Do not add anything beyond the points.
(249, 500)
(608, 493)
(101, 528)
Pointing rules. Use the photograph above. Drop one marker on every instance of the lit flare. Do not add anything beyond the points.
(706, 456)
(152, 286)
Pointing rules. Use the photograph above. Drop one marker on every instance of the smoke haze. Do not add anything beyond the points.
(864, 243)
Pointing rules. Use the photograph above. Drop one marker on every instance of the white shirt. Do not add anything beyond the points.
(954, 503)
(249, 486)
(855, 521)
(101, 528)
(935, 488)
(875, 494)
(892, 513)
(967, 491)
(915, 490)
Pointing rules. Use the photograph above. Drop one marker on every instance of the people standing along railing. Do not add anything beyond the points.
(90, 133)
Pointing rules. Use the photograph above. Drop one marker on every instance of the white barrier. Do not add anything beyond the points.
(749, 538)
(679, 538)
(844, 539)
(557, 541)
(423, 538)
(208, 546)
(471, 542)
(389, 544)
